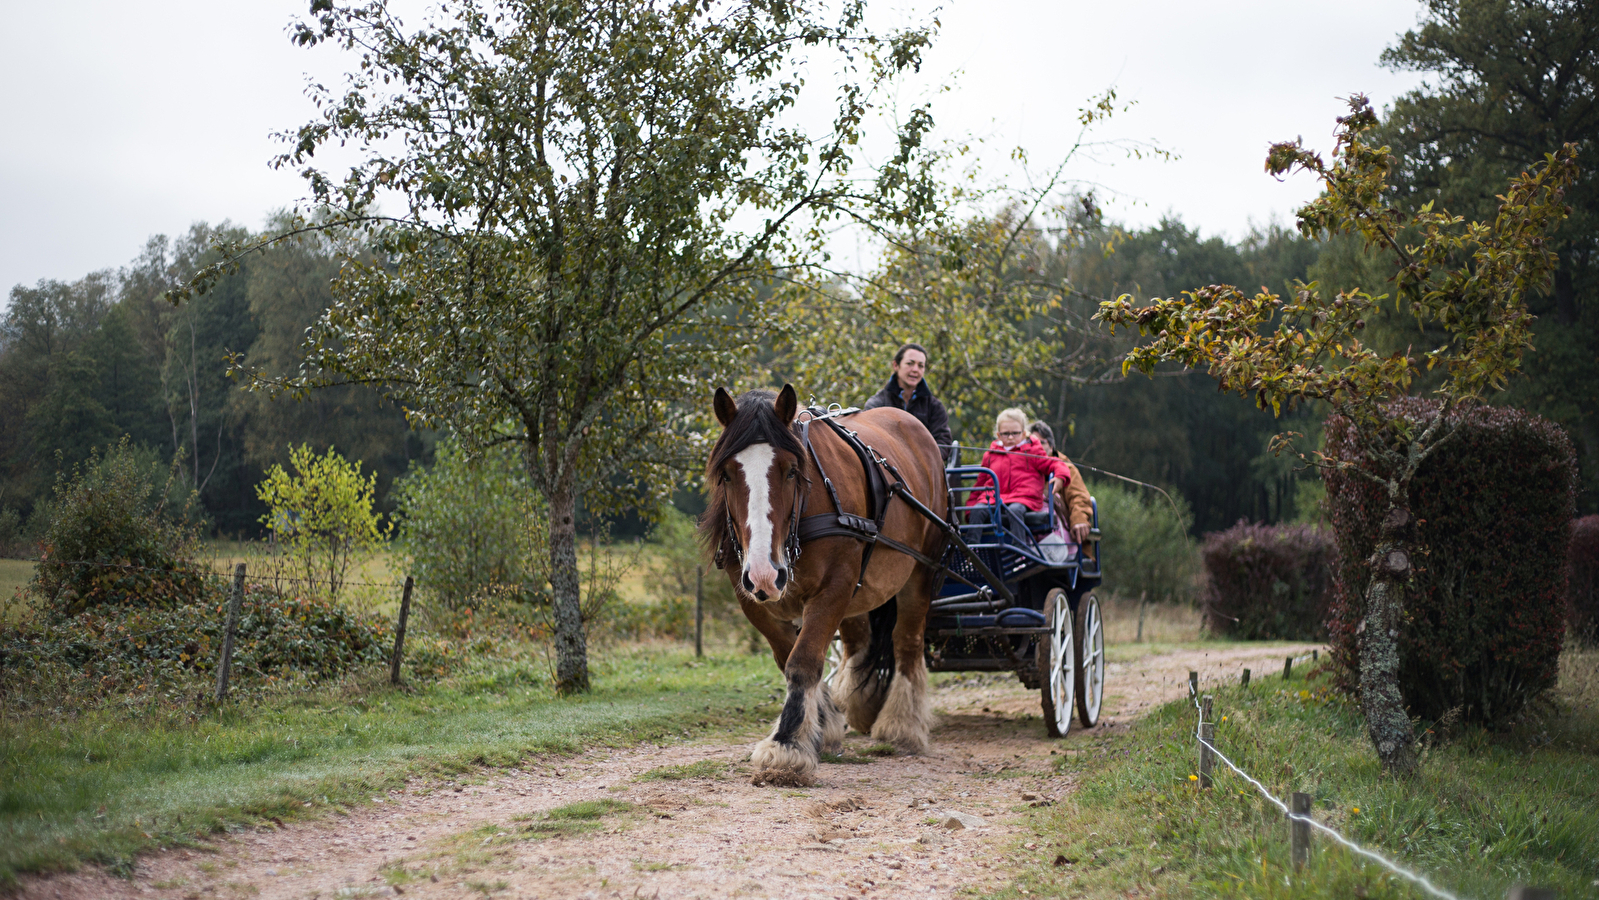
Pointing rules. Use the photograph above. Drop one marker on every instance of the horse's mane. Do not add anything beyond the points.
(756, 423)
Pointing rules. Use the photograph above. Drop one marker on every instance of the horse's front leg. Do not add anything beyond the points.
(810, 724)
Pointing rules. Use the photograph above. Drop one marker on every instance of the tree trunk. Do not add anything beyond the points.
(1387, 722)
(571, 647)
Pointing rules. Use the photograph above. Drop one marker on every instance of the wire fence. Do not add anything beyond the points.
(1204, 735)
(275, 575)
(237, 573)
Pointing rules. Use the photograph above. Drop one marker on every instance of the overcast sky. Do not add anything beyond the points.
(123, 120)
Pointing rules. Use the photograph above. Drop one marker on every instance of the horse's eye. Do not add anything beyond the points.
(725, 478)
(791, 473)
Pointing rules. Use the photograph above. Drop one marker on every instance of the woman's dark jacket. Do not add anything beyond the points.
(924, 406)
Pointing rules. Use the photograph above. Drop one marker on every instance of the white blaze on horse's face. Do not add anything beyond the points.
(765, 572)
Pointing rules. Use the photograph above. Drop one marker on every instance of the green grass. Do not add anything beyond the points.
(1488, 810)
(103, 787)
(14, 576)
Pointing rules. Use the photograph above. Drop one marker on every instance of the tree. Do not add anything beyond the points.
(462, 525)
(989, 294)
(1470, 280)
(1512, 81)
(591, 194)
(322, 515)
(289, 288)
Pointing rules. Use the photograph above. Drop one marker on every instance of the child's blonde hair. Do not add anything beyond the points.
(1014, 415)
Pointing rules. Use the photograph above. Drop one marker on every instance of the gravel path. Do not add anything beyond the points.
(871, 827)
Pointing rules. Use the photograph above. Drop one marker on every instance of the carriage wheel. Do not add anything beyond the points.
(1056, 660)
(1090, 652)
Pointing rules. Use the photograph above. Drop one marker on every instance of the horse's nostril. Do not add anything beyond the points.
(782, 577)
(748, 584)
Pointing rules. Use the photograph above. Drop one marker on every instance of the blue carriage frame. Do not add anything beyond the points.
(972, 626)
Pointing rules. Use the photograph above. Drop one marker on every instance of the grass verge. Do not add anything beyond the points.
(1487, 811)
(103, 787)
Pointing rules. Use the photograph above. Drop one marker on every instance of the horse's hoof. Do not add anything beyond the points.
(781, 778)
(782, 764)
(906, 719)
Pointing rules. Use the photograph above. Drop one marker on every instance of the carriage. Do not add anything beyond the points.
(1033, 610)
(1014, 597)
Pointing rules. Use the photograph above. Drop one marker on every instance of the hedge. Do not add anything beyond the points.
(1485, 614)
(1265, 582)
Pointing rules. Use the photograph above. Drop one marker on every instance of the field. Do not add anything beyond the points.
(14, 575)
(160, 801)
(1488, 810)
(104, 788)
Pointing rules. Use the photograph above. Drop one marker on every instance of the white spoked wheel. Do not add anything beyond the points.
(1056, 661)
(1090, 660)
(833, 666)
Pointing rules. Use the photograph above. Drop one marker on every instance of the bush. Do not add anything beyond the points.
(1485, 613)
(1147, 546)
(1268, 582)
(1583, 554)
(146, 651)
(111, 539)
(464, 526)
(321, 515)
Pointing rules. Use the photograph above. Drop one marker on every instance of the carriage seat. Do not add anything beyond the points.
(1037, 522)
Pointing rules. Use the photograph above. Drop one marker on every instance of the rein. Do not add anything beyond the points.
(868, 529)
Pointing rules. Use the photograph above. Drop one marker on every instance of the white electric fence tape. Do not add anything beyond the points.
(1369, 854)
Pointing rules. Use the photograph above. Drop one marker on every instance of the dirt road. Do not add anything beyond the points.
(681, 821)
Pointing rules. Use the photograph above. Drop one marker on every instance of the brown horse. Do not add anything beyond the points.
(760, 477)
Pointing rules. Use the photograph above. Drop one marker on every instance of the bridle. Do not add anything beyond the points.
(791, 543)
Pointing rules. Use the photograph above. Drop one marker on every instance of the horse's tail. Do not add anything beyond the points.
(877, 669)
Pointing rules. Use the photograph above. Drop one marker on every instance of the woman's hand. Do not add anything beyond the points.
(1080, 532)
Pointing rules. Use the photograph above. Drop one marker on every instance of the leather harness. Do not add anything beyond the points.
(868, 528)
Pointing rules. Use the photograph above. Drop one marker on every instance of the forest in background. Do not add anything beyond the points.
(86, 362)
(83, 363)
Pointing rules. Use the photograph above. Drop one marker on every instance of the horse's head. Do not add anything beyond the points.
(754, 474)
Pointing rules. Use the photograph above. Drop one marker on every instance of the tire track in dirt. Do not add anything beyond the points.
(870, 827)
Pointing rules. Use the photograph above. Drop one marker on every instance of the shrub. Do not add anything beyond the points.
(111, 541)
(1267, 582)
(1583, 554)
(147, 651)
(321, 515)
(463, 526)
(1485, 613)
(1147, 547)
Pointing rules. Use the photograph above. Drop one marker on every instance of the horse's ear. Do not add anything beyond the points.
(787, 405)
(726, 409)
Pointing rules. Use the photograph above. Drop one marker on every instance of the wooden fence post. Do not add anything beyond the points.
(1299, 832)
(226, 663)
(1245, 681)
(699, 610)
(1207, 739)
(1193, 683)
(1315, 655)
(1522, 892)
(399, 632)
(1141, 597)
(1288, 667)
